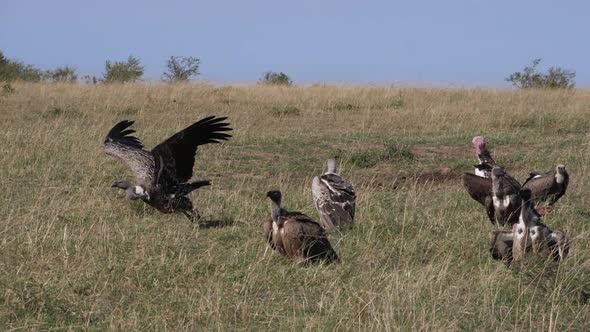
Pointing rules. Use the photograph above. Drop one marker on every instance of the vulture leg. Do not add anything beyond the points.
(490, 210)
(193, 215)
(267, 227)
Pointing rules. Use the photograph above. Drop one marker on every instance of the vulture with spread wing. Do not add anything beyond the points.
(163, 174)
(499, 195)
(505, 196)
(548, 187)
(296, 236)
(334, 198)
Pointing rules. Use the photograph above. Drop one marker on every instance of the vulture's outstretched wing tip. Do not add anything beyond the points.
(121, 134)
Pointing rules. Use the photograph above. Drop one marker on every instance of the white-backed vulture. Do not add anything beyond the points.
(334, 199)
(163, 172)
(296, 236)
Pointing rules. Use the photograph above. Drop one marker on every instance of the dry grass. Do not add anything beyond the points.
(75, 253)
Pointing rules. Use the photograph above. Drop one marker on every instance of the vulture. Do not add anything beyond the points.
(505, 196)
(527, 231)
(162, 175)
(499, 195)
(296, 236)
(334, 198)
(529, 234)
(486, 162)
(548, 187)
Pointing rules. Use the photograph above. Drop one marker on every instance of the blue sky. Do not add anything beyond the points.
(435, 43)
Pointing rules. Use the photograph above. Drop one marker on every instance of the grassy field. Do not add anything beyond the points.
(75, 254)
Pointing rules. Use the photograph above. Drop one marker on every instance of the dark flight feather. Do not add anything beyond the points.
(120, 134)
(178, 151)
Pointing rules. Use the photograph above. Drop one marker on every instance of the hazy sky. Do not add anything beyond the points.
(436, 42)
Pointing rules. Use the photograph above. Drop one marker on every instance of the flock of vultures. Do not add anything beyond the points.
(163, 181)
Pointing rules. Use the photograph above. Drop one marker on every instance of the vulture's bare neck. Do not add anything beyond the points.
(276, 210)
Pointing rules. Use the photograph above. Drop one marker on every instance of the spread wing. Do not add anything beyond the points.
(120, 143)
(531, 176)
(512, 185)
(477, 187)
(175, 157)
(540, 186)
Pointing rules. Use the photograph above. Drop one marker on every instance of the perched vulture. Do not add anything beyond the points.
(334, 198)
(526, 235)
(296, 235)
(548, 187)
(486, 162)
(162, 174)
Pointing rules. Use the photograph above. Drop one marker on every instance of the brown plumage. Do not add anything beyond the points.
(163, 172)
(548, 187)
(296, 236)
(334, 199)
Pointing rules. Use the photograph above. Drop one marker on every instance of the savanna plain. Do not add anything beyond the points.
(75, 254)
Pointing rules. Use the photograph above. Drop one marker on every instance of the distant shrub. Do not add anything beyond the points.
(272, 78)
(123, 71)
(343, 106)
(530, 77)
(285, 110)
(181, 68)
(61, 74)
(88, 79)
(12, 70)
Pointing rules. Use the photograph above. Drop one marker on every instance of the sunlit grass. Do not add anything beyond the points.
(75, 253)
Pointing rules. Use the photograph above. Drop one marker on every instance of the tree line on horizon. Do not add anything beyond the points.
(183, 68)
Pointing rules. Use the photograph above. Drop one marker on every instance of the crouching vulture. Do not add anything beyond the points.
(296, 236)
(162, 174)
